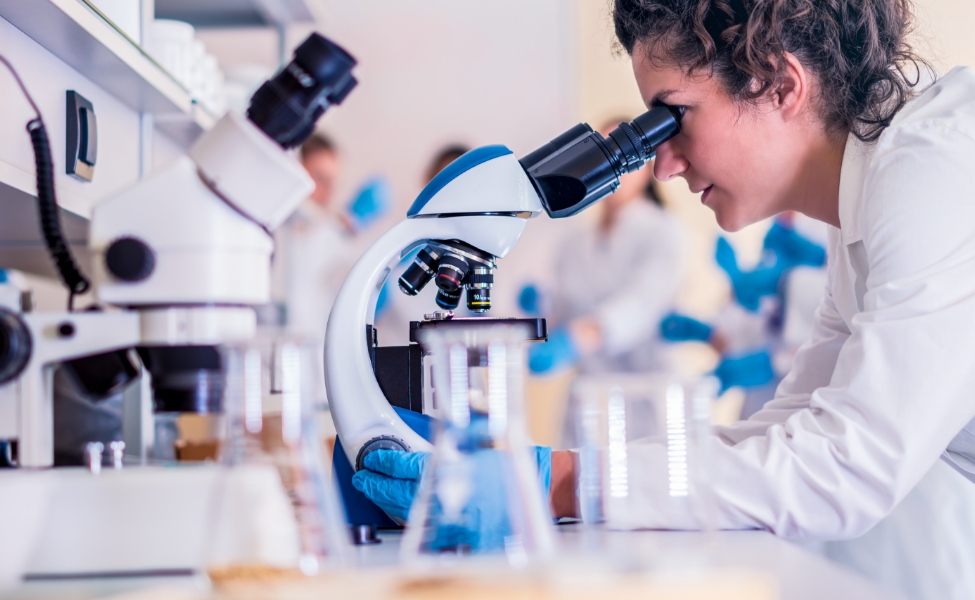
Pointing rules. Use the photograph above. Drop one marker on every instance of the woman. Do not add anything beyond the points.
(810, 106)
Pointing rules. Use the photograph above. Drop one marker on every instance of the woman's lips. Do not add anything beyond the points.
(704, 196)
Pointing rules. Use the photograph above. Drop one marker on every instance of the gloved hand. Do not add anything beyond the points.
(750, 370)
(792, 249)
(370, 203)
(391, 479)
(529, 299)
(749, 287)
(681, 328)
(558, 352)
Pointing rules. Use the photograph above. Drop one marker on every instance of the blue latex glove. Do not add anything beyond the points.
(558, 352)
(370, 204)
(529, 299)
(792, 249)
(750, 286)
(3, 276)
(681, 328)
(750, 370)
(391, 479)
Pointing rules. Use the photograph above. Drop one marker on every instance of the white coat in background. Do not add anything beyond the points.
(885, 386)
(313, 254)
(628, 280)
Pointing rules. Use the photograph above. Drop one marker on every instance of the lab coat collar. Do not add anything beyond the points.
(852, 173)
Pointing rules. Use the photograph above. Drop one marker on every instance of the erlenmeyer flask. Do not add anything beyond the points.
(481, 492)
(274, 508)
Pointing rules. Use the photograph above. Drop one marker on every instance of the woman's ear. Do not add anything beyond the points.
(790, 94)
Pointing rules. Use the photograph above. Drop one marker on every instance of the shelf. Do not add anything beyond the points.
(235, 13)
(78, 35)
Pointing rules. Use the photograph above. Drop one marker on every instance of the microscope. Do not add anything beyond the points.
(185, 254)
(180, 261)
(463, 222)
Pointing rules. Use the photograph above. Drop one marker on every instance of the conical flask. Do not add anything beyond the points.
(481, 492)
(274, 507)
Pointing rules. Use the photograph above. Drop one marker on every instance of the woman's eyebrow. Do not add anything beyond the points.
(660, 98)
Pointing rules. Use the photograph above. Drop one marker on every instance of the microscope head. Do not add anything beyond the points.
(486, 181)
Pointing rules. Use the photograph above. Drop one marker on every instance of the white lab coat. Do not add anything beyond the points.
(628, 280)
(885, 386)
(313, 254)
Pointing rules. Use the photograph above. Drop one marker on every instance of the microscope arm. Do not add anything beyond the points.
(368, 421)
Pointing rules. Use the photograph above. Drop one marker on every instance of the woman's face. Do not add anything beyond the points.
(742, 157)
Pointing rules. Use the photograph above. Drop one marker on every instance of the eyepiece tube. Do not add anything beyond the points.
(581, 167)
(286, 106)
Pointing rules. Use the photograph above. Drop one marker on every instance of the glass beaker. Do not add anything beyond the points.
(275, 508)
(480, 493)
(642, 444)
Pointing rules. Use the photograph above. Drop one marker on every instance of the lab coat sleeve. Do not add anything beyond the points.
(633, 314)
(902, 386)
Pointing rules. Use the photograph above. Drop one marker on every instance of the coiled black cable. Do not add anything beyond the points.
(47, 204)
(47, 212)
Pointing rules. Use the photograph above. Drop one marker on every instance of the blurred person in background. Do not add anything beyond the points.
(315, 248)
(614, 280)
(770, 312)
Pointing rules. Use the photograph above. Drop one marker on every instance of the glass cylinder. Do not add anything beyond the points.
(481, 492)
(275, 507)
(643, 439)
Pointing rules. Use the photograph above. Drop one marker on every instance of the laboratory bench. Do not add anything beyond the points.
(794, 572)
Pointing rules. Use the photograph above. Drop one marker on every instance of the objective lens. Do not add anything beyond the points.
(448, 300)
(451, 273)
(479, 286)
(420, 272)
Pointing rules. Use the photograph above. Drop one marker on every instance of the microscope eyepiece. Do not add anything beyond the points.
(286, 106)
(581, 167)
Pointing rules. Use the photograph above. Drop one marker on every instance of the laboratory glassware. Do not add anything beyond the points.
(481, 492)
(637, 435)
(274, 506)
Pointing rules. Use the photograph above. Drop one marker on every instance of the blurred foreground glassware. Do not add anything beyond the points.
(275, 508)
(480, 493)
(640, 437)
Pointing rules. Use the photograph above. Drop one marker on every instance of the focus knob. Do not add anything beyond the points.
(15, 345)
(130, 259)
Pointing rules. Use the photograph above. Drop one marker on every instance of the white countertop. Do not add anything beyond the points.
(801, 574)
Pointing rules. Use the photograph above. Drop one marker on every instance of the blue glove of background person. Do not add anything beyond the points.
(371, 203)
(751, 286)
(750, 370)
(391, 479)
(792, 249)
(681, 328)
(559, 352)
(529, 299)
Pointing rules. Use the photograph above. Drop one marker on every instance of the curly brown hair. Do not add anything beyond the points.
(857, 49)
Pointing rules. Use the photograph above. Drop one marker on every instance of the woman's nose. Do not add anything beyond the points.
(670, 162)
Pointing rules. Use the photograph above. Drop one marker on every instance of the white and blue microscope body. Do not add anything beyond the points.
(469, 216)
(485, 199)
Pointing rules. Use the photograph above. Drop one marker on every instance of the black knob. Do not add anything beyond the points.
(130, 259)
(15, 345)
